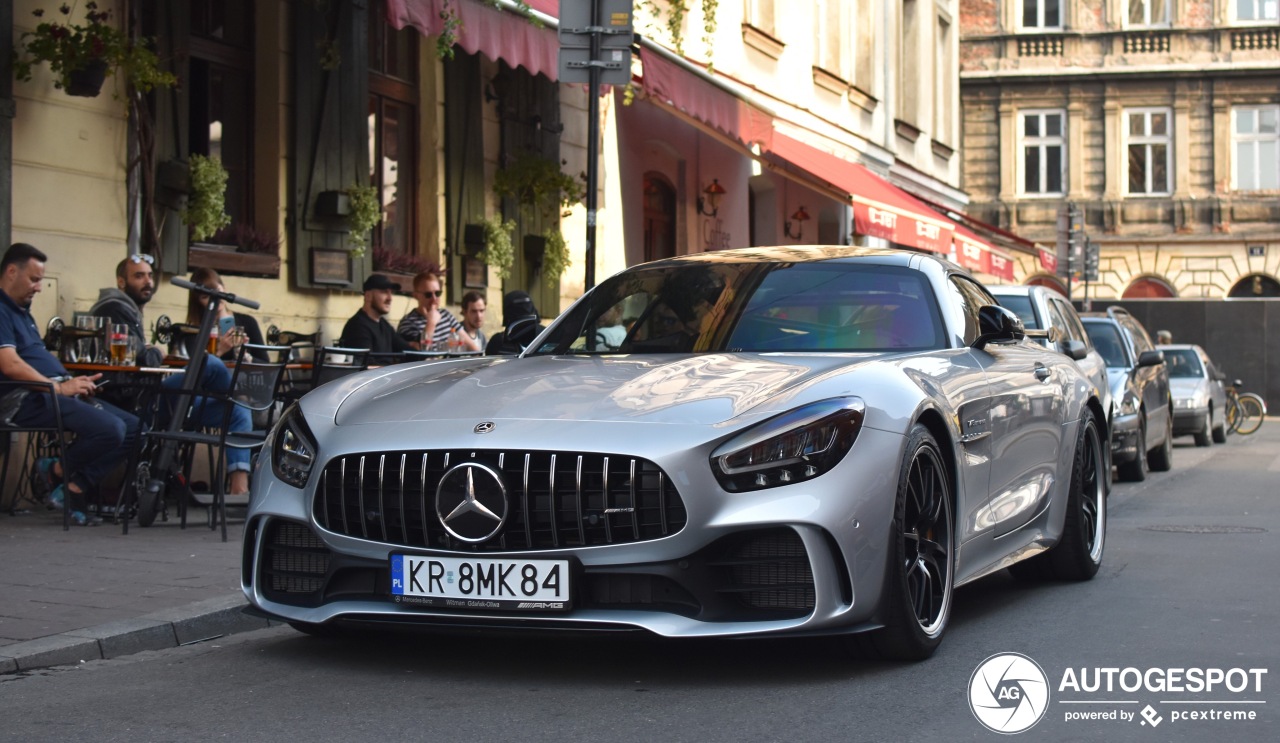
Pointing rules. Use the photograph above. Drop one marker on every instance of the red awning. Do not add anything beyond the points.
(976, 255)
(880, 209)
(498, 35)
(701, 100)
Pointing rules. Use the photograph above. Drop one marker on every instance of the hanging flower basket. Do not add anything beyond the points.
(87, 81)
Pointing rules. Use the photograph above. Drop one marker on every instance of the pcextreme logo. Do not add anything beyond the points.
(1008, 693)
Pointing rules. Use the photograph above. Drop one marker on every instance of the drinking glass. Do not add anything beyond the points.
(84, 345)
(119, 343)
(212, 346)
(101, 352)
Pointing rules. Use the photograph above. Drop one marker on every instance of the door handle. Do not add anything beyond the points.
(1042, 373)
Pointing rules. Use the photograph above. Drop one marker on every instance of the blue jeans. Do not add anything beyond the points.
(208, 413)
(106, 436)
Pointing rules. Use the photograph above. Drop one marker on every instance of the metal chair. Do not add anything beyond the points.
(12, 394)
(331, 363)
(254, 386)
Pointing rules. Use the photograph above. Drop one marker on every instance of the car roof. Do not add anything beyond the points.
(811, 254)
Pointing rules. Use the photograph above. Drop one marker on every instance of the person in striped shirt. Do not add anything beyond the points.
(430, 327)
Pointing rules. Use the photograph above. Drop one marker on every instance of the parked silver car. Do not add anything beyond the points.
(797, 440)
(1142, 406)
(1199, 397)
(1041, 308)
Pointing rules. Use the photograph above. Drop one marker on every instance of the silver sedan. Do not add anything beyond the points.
(799, 440)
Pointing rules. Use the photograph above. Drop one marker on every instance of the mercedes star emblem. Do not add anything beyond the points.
(484, 427)
(471, 502)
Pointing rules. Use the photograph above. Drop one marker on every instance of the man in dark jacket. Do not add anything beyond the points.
(369, 328)
(520, 325)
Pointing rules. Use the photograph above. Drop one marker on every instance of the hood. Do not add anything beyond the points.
(677, 389)
(1183, 388)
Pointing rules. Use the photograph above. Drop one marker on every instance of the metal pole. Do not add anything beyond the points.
(593, 145)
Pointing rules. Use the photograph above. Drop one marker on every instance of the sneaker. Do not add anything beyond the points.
(42, 477)
(80, 518)
(56, 497)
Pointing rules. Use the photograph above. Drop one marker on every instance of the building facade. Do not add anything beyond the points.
(1157, 119)
(834, 121)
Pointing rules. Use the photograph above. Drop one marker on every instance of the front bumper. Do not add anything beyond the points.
(1189, 421)
(802, 558)
(1124, 438)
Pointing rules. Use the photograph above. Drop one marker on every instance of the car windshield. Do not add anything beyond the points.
(1183, 363)
(704, 306)
(1021, 305)
(1106, 338)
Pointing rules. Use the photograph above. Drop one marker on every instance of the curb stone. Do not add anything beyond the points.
(202, 620)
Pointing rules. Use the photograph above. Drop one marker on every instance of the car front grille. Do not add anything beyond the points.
(768, 569)
(555, 499)
(295, 561)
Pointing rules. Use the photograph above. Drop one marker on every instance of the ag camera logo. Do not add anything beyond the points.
(1008, 693)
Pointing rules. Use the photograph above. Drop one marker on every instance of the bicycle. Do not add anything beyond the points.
(1245, 410)
(163, 467)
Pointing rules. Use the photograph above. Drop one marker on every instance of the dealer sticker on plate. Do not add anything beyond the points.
(480, 583)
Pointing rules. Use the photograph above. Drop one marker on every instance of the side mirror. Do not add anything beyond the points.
(998, 325)
(1075, 349)
(1151, 358)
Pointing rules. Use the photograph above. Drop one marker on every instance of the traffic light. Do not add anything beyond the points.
(1092, 257)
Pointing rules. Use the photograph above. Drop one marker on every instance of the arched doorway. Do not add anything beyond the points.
(1048, 282)
(659, 217)
(1149, 287)
(1255, 285)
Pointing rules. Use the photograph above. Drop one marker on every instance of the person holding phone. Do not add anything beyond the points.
(234, 328)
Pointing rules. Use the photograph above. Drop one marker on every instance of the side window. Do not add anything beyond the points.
(1071, 326)
(1056, 320)
(1141, 341)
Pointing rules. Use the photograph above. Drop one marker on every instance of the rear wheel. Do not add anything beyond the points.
(1202, 436)
(1078, 554)
(149, 492)
(1252, 411)
(1161, 458)
(916, 604)
(1136, 470)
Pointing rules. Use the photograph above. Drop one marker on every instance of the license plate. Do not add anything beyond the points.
(480, 583)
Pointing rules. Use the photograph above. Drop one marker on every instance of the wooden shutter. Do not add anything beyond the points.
(463, 159)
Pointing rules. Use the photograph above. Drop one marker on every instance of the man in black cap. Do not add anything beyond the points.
(521, 325)
(369, 328)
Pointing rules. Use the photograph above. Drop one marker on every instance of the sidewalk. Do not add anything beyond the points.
(93, 592)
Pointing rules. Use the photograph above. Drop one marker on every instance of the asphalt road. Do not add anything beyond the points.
(1187, 583)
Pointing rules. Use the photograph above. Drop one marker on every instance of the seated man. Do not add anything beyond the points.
(430, 327)
(104, 435)
(135, 286)
(369, 328)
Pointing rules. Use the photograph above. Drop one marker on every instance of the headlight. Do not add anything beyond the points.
(795, 446)
(293, 449)
(1126, 405)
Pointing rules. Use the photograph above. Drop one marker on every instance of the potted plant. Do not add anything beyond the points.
(238, 249)
(206, 210)
(365, 212)
(81, 55)
(538, 185)
(498, 250)
(555, 257)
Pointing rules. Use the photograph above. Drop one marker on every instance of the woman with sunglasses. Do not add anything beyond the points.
(430, 327)
(229, 341)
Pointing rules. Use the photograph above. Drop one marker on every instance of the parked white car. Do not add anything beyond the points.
(1199, 398)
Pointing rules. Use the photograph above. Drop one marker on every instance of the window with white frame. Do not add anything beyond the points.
(761, 14)
(830, 39)
(1256, 10)
(1044, 149)
(1255, 145)
(1149, 143)
(1040, 15)
(1148, 13)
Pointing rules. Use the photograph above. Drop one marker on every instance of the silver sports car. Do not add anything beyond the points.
(771, 441)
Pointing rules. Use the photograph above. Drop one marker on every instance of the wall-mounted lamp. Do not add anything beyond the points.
(800, 217)
(710, 198)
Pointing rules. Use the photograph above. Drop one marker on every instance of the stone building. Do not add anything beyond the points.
(1158, 119)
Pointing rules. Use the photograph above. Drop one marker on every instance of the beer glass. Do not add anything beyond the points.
(119, 343)
(212, 346)
(85, 345)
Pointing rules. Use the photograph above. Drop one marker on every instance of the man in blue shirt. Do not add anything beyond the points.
(105, 435)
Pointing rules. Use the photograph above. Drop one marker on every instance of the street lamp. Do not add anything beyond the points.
(800, 217)
(710, 198)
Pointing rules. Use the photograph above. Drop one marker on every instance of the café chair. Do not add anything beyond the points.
(331, 363)
(302, 346)
(41, 438)
(254, 386)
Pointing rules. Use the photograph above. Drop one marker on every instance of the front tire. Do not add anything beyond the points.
(1136, 470)
(1202, 436)
(916, 604)
(1161, 458)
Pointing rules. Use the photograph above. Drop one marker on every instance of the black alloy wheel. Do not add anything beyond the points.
(1161, 457)
(916, 604)
(1078, 554)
